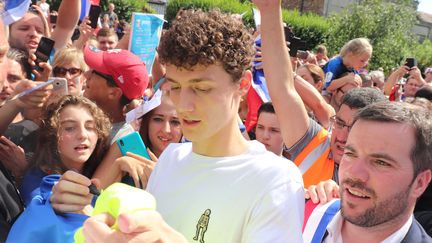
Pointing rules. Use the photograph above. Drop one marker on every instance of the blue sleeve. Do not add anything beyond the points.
(332, 70)
(31, 185)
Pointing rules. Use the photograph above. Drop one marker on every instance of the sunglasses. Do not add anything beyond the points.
(60, 71)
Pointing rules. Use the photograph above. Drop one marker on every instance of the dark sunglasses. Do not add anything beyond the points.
(60, 71)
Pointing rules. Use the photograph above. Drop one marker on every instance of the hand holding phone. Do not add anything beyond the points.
(59, 87)
(134, 144)
(94, 14)
(43, 52)
(411, 62)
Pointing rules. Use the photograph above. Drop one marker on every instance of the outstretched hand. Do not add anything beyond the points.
(323, 192)
(138, 167)
(71, 193)
(140, 226)
(36, 98)
(13, 157)
(264, 5)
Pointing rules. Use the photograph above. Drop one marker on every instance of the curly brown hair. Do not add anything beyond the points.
(206, 38)
(46, 157)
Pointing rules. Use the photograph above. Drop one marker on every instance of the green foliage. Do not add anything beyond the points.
(422, 52)
(387, 24)
(309, 27)
(231, 6)
(123, 8)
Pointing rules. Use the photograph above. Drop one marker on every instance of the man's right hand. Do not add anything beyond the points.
(36, 98)
(323, 192)
(141, 226)
(71, 193)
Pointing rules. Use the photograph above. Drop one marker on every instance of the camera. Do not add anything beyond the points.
(295, 43)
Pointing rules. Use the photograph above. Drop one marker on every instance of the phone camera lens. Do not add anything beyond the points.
(121, 143)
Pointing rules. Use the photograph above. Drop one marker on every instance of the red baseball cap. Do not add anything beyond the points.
(127, 69)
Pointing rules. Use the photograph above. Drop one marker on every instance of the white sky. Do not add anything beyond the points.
(425, 6)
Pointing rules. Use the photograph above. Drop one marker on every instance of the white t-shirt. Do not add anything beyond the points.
(253, 197)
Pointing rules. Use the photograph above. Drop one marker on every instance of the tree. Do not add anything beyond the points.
(124, 8)
(386, 23)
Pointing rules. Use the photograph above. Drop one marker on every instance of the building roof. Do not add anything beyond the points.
(425, 17)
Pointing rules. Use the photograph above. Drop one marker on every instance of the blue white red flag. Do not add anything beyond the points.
(85, 7)
(14, 10)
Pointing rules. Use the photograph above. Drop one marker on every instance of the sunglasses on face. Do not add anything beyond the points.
(60, 71)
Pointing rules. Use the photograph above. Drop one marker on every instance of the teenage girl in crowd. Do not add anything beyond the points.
(159, 127)
(354, 56)
(75, 137)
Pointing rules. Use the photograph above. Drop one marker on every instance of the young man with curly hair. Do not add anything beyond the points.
(219, 187)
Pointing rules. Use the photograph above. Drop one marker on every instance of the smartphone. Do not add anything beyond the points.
(43, 52)
(94, 14)
(53, 19)
(134, 144)
(59, 87)
(411, 62)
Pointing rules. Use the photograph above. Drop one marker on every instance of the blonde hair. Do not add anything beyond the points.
(68, 55)
(356, 46)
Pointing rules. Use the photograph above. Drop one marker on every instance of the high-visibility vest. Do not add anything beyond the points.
(314, 162)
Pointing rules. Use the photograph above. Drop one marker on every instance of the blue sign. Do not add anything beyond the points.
(146, 30)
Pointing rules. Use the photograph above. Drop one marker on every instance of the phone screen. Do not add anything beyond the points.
(43, 51)
(94, 14)
(133, 143)
(411, 62)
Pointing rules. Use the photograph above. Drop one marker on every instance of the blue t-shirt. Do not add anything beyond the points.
(333, 69)
(31, 184)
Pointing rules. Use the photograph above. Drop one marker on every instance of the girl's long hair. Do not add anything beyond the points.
(47, 157)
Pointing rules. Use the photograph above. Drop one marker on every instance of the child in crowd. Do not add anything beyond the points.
(267, 130)
(353, 56)
(75, 137)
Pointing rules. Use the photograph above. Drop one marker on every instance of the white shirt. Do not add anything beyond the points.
(335, 226)
(253, 197)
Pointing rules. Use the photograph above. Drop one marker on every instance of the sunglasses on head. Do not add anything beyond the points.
(60, 71)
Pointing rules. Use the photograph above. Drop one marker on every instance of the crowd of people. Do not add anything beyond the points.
(244, 132)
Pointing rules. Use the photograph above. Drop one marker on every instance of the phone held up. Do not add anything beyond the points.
(134, 144)
(60, 87)
(411, 62)
(43, 52)
(94, 14)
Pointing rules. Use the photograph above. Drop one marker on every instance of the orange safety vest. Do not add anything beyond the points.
(314, 162)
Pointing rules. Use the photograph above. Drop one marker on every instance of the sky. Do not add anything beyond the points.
(425, 6)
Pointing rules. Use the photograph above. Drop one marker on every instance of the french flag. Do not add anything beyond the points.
(85, 7)
(14, 10)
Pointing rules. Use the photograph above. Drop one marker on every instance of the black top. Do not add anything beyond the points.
(10, 203)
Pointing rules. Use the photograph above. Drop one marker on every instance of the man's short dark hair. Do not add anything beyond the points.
(417, 117)
(360, 97)
(106, 32)
(200, 38)
(424, 92)
(266, 107)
